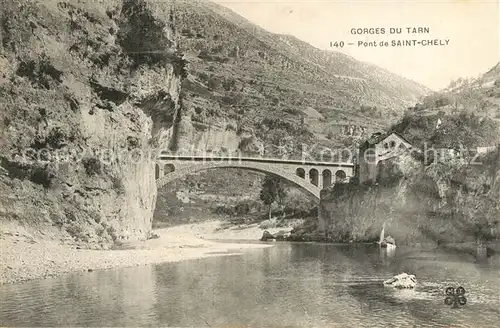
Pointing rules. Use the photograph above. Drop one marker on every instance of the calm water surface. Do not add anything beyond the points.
(289, 285)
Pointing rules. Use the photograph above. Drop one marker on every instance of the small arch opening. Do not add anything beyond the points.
(168, 168)
(327, 178)
(301, 173)
(313, 177)
(340, 176)
(157, 171)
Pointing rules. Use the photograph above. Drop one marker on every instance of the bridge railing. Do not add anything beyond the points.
(235, 159)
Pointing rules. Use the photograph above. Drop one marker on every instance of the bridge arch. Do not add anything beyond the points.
(327, 178)
(167, 168)
(157, 171)
(309, 188)
(314, 176)
(340, 176)
(301, 172)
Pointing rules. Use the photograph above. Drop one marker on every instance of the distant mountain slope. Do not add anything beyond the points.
(467, 116)
(493, 74)
(244, 78)
(479, 95)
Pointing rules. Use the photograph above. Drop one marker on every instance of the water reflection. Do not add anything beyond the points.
(289, 285)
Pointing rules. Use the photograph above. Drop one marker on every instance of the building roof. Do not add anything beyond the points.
(378, 137)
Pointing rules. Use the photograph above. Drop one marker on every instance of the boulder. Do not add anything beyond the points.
(153, 236)
(267, 236)
(402, 280)
(281, 235)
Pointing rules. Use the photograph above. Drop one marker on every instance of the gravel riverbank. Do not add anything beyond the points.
(23, 259)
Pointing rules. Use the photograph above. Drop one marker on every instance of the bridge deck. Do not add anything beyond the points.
(251, 159)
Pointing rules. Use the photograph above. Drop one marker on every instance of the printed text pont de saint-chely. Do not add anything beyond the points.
(408, 37)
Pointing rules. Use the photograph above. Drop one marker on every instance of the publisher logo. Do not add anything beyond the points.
(455, 297)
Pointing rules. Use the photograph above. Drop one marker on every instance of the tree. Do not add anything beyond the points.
(272, 190)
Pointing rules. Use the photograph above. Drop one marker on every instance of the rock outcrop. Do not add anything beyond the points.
(267, 236)
(86, 89)
(444, 202)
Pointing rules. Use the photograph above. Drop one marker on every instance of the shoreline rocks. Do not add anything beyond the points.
(281, 235)
(267, 236)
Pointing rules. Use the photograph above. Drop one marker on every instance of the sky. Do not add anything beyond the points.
(470, 26)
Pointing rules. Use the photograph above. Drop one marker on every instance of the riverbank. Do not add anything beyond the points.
(25, 258)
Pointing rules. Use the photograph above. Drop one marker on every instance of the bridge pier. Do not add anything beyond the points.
(161, 170)
(327, 178)
(320, 180)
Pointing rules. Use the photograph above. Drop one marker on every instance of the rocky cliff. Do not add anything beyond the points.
(436, 197)
(447, 192)
(87, 89)
(450, 202)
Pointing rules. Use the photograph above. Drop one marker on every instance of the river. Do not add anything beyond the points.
(289, 285)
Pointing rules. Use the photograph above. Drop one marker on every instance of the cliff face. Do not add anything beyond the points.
(450, 201)
(87, 90)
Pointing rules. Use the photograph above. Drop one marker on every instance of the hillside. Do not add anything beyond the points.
(493, 74)
(253, 91)
(468, 117)
(250, 90)
(246, 79)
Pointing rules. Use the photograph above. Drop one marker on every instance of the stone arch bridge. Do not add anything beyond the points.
(310, 176)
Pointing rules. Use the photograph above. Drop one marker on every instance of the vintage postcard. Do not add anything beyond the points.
(249, 163)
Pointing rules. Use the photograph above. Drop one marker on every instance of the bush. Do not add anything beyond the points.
(268, 224)
(75, 231)
(292, 110)
(112, 233)
(118, 185)
(230, 127)
(187, 32)
(204, 77)
(229, 84)
(92, 166)
(43, 176)
(148, 44)
(214, 83)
